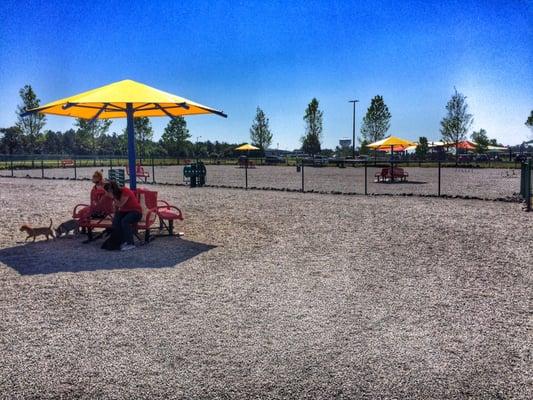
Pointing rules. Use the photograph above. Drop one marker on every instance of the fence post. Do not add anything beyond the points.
(42, 168)
(12, 174)
(523, 167)
(439, 181)
(246, 173)
(528, 186)
(366, 177)
(153, 170)
(303, 187)
(75, 170)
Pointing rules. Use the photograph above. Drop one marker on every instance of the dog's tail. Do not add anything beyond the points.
(50, 227)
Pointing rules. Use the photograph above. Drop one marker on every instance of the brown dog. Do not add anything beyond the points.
(34, 232)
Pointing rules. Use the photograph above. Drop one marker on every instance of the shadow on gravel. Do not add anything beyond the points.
(70, 255)
(402, 183)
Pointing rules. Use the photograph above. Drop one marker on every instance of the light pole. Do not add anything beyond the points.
(197, 148)
(353, 127)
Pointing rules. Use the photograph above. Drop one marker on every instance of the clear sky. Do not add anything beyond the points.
(237, 55)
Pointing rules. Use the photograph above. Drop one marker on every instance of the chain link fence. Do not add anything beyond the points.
(421, 178)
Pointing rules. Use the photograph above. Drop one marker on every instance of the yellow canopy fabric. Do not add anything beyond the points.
(111, 101)
(246, 147)
(396, 143)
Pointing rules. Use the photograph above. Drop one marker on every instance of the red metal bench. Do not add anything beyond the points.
(166, 212)
(85, 215)
(139, 171)
(152, 210)
(397, 173)
(382, 175)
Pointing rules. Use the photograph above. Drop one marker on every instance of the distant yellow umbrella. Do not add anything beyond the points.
(246, 147)
(393, 144)
(128, 99)
(396, 143)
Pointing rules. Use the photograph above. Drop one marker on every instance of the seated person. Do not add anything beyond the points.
(128, 211)
(96, 209)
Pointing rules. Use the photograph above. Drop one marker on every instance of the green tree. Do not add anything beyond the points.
(68, 145)
(30, 125)
(457, 122)
(175, 136)
(12, 140)
(313, 128)
(376, 121)
(529, 121)
(363, 150)
(482, 141)
(52, 142)
(89, 132)
(260, 134)
(422, 148)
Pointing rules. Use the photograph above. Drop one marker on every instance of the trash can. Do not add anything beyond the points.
(194, 174)
(201, 172)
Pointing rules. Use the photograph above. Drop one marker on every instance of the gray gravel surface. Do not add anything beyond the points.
(480, 182)
(270, 295)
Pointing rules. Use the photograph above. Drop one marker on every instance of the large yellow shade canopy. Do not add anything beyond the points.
(111, 101)
(125, 99)
(391, 142)
(246, 147)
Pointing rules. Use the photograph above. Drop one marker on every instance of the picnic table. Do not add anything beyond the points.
(244, 162)
(385, 174)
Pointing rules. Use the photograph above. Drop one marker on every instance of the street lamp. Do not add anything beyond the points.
(353, 127)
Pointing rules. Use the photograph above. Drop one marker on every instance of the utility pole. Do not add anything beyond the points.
(353, 127)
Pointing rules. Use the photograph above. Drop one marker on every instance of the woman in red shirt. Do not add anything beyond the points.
(98, 207)
(128, 211)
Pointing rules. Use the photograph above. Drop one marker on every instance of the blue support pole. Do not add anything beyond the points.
(131, 147)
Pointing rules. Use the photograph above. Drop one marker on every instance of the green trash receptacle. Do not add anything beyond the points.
(201, 172)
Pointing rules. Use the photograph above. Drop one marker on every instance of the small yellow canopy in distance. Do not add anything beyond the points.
(111, 101)
(246, 147)
(396, 143)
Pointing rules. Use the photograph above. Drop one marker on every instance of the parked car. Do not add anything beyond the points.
(464, 158)
(273, 160)
(320, 161)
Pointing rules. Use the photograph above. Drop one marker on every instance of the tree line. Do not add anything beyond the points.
(28, 135)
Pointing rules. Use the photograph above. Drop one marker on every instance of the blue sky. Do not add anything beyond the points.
(278, 55)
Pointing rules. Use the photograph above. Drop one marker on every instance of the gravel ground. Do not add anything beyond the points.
(482, 182)
(270, 295)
